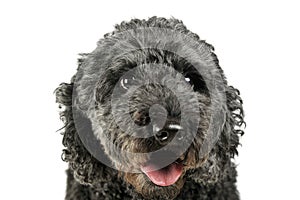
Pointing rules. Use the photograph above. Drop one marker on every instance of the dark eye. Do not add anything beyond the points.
(187, 79)
(126, 82)
(196, 81)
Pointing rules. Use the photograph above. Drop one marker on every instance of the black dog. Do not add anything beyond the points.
(149, 115)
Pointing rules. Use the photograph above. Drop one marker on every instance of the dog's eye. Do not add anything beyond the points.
(187, 79)
(127, 82)
(196, 81)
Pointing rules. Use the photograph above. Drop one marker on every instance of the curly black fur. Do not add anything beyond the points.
(211, 178)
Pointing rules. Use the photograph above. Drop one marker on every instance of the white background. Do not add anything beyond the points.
(257, 43)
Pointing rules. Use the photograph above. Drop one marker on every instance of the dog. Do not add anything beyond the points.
(149, 115)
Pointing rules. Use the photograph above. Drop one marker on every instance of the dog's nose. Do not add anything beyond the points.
(167, 134)
(162, 136)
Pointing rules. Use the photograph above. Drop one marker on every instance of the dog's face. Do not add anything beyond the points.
(151, 97)
(148, 118)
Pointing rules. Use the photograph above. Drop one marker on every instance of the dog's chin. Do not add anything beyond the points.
(164, 183)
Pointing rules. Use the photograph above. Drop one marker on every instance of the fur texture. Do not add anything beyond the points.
(212, 176)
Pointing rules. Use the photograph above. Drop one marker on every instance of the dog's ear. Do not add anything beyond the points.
(86, 168)
(234, 121)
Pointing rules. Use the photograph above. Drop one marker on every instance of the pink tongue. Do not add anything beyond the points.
(165, 176)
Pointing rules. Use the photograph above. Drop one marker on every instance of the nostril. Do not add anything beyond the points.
(162, 135)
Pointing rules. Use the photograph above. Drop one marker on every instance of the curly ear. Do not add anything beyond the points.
(86, 169)
(235, 119)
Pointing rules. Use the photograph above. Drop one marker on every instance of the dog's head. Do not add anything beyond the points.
(155, 101)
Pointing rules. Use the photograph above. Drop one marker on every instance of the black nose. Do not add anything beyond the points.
(162, 136)
(166, 134)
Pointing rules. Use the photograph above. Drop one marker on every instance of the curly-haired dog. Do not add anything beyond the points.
(149, 115)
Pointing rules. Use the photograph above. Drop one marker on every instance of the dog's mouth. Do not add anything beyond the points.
(165, 176)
